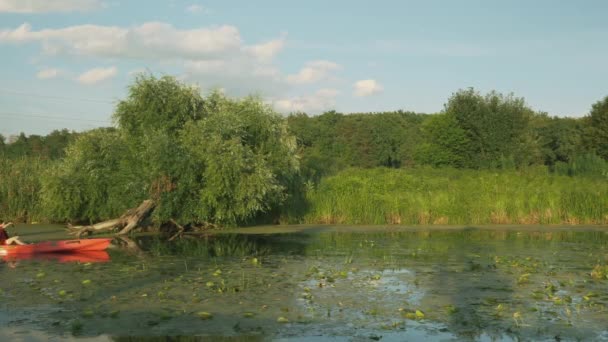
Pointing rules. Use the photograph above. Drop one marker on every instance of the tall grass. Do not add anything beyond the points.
(20, 184)
(583, 165)
(449, 196)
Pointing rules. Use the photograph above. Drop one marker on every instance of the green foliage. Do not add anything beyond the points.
(560, 139)
(583, 165)
(150, 121)
(95, 180)
(50, 146)
(497, 126)
(332, 141)
(233, 161)
(20, 188)
(597, 131)
(246, 158)
(210, 159)
(446, 143)
(157, 106)
(452, 196)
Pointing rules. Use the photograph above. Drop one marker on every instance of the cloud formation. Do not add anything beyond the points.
(214, 56)
(367, 88)
(197, 9)
(44, 6)
(97, 75)
(151, 40)
(46, 74)
(313, 72)
(321, 100)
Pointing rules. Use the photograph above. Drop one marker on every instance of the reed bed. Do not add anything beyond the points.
(20, 184)
(457, 197)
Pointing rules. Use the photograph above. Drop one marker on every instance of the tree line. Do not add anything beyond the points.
(231, 161)
(473, 131)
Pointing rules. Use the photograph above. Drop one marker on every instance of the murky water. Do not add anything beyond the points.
(320, 283)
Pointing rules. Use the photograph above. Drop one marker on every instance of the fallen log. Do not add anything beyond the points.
(127, 222)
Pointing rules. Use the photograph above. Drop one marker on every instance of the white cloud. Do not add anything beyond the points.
(152, 40)
(239, 75)
(268, 50)
(196, 9)
(46, 74)
(43, 6)
(313, 72)
(367, 88)
(212, 57)
(97, 75)
(322, 100)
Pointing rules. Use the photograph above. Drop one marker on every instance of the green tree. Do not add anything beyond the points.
(56, 142)
(446, 144)
(559, 139)
(95, 180)
(597, 131)
(245, 157)
(151, 120)
(497, 126)
(212, 159)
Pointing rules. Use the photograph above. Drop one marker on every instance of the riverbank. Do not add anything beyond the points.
(383, 196)
(45, 232)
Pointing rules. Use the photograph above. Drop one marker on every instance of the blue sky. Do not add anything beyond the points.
(65, 62)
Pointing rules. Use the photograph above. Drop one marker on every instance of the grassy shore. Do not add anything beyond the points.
(449, 196)
(389, 196)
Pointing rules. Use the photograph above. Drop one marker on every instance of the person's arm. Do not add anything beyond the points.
(14, 240)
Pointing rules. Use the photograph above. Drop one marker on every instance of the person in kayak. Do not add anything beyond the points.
(5, 239)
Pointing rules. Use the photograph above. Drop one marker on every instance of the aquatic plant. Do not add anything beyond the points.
(600, 272)
(204, 315)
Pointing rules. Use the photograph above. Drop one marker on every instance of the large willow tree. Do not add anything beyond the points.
(201, 159)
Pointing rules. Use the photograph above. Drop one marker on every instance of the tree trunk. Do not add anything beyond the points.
(127, 222)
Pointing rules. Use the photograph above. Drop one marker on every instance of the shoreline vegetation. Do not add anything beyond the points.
(456, 197)
(484, 160)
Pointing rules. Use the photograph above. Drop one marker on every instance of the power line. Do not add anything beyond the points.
(42, 116)
(55, 97)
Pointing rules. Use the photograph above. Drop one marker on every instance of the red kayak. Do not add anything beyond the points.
(60, 246)
(83, 256)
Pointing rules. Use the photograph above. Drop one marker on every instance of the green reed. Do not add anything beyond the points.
(450, 196)
(20, 185)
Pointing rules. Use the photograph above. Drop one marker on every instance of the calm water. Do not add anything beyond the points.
(320, 284)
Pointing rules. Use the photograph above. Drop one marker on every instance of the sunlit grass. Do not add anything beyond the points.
(449, 196)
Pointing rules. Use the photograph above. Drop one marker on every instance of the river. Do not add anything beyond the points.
(318, 283)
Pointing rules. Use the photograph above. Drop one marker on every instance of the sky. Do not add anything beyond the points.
(65, 63)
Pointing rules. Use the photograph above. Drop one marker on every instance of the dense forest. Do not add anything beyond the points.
(485, 158)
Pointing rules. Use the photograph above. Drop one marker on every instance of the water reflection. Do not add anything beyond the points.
(84, 256)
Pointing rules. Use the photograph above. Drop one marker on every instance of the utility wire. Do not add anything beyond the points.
(42, 116)
(55, 97)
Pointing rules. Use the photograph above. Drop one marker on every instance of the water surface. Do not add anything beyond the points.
(320, 283)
